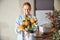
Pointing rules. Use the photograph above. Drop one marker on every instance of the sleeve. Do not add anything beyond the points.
(18, 22)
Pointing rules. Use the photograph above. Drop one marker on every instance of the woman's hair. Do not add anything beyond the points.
(27, 3)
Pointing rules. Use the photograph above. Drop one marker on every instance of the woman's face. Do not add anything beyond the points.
(26, 9)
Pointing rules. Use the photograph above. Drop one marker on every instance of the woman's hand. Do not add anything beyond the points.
(27, 34)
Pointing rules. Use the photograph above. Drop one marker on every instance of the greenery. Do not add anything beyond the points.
(56, 23)
(55, 18)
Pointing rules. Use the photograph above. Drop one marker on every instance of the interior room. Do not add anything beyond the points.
(42, 9)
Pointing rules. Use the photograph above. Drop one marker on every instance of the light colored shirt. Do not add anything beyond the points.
(19, 21)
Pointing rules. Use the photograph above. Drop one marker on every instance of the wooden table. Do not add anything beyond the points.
(43, 37)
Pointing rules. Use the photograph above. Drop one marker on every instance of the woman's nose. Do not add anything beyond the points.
(26, 10)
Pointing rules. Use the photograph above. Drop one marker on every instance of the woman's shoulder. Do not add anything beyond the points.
(19, 16)
(33, 16)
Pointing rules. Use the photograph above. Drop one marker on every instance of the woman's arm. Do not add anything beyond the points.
(18, 22)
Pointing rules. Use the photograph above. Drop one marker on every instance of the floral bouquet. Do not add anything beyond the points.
(29, 24)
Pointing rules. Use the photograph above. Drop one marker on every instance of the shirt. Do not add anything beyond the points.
(19, 21)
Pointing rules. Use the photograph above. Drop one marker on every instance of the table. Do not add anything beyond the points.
(44, 36)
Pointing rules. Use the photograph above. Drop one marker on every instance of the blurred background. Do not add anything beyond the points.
(10, 9)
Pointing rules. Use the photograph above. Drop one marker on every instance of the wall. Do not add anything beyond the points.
(9, 10)
(57, 4)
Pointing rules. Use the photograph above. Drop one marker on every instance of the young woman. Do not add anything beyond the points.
(21, 35)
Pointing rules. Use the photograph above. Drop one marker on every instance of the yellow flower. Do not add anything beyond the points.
(26, 22)
(21, 27)
(32, 20)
